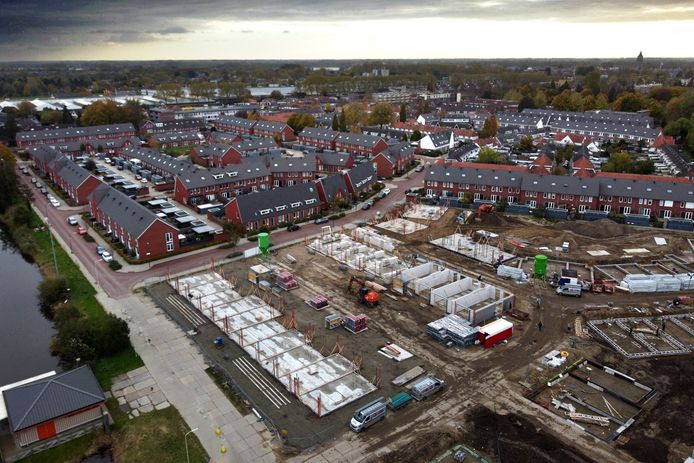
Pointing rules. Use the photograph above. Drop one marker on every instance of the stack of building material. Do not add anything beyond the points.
(286, 281)
(687, 280)
(354, 323)
(452, 328)
(514, 273)
(318, 302)
(640, 283)
(333, 321)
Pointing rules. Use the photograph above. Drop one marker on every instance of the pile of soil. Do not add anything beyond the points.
(513, 438)
(604, 228)
(424, 447)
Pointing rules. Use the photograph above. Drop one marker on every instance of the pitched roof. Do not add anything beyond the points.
(73, 174)
(33, 403)
(95, 131)
(362, 175)
(332, 185)
(176, 136)
(358, 139)
(235, 122)
(498, 176)
(307, 163)
(440, 139)
(270, 126)
(334, 159)
(215, 149)
(132, 216)
(254, 144)
(197, 178)
(43, 153)
(319, 134)
(280, 201)
(164, 162)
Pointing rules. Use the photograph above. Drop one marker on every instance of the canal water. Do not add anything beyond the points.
(25, 334)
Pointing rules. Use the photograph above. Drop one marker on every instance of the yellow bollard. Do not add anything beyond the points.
(223, 449)
(218, 431)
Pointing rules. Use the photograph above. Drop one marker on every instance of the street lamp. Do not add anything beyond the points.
(50, 234)
(185, 439)
(96, 271)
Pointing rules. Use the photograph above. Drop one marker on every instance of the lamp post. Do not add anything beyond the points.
(185, 439)
(50, 234)
(96, 271)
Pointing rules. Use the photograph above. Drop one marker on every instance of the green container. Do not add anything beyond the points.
(540, 267)
(263, 242)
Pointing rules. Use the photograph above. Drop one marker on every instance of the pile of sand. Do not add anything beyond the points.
(604, 228)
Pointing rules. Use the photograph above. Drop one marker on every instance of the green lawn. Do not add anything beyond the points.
(155, 437)
(83, 295)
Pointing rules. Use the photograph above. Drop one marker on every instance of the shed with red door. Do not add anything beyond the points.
(495, 332)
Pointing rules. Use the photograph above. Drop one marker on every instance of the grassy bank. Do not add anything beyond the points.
(157, 436)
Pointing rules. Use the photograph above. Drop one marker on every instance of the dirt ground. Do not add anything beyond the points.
(582, 236)
(484, 405)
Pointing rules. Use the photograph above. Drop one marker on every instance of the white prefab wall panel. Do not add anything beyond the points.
(419, 271)
(450, 290)
(471, 299)
(435, 279)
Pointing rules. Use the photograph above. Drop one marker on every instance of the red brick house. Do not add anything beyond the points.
(361, 178)
(56, 406)
(76, 182)
(360, 144)
(74, 135)
(394, 160)
(42, 156)
(180, 125)
(331, 189)
(274, 207)
(143, 234)
(175, 140)
(323, 139)
(334, 162)
(199, 186)
(663, 197)
(234, 124)
(290, 171)
(215, 155)
(278, 130)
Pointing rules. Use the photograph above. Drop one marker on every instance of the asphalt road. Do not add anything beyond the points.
(119, 284)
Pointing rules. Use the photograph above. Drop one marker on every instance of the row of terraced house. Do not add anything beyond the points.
(646, 195)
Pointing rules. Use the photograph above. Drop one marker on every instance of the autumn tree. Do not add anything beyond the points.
(343, 121)
(381, 113)
(169, 91)
(276, 95)
(488, 156)
(403, 112)
(416, 135)
(491, 126)
(101, 112)
(335, 124)
(298, 121)
(354, 114)
(49, 116)
(232, 89)
(630, 102)
(591, 81)
(204, 90)
(620, 161)
(26, 109)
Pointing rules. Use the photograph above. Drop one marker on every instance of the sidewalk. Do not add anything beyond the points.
(178, 367)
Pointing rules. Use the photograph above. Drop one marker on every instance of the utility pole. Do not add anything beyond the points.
(50, 233)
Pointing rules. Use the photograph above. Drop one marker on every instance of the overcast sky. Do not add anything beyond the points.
(308, 29)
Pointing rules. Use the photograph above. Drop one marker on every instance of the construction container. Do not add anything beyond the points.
(263, 243)
(399, 400)
(333, 321)
(354, 323)
(495, 332)
(540, 266)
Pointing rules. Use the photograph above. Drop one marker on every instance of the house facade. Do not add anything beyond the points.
(74, 135)
(276, 130)
(651, 196)
(323, 139)
(234, 124)
(198, 186)
(143, 234)
(360, 144)
(394, 160)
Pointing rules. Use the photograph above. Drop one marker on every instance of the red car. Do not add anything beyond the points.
(81, 230)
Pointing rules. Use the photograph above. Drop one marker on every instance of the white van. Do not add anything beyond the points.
(426, 387)
(368, 415)
(569, 290)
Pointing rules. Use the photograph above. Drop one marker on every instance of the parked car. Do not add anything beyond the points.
(385, 191)
(33, 179)
(39, 185)
(293, 227)
(419, 168)
(72, 220)
(44, 191)
(366, 207)
(81, 230)
(100, 249)
(321, 220)
(55, 203)
(106, 256)
(368, 414)
(25, 170)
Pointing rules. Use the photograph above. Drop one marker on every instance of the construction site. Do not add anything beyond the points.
(309, 333)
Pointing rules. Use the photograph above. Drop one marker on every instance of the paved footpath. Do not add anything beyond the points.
(177, 365)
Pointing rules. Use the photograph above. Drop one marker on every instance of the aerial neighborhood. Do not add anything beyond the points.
(344, 260)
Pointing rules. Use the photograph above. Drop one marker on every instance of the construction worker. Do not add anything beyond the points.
(538, 301)
(539, 326)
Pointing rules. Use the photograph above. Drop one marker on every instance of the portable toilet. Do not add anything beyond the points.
(540, 267)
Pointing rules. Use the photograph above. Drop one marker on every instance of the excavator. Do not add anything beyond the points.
(485, 209)
(365, 294)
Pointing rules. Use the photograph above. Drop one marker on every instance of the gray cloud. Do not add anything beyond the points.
(74, 22)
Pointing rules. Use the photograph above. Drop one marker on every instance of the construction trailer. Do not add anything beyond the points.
(495, 332)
